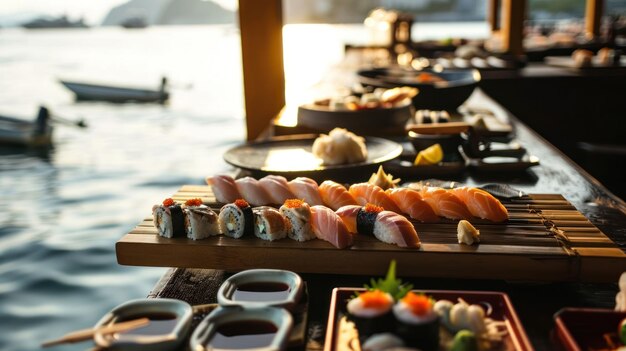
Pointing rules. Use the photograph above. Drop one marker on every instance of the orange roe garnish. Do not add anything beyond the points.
(194, 202)
(168, 202)
(294, 203)
(371, 208)
(374, 299)
(419, 304)
(241, 203)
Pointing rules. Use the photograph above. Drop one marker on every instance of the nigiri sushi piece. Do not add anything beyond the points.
(481, 204)
(252, 192)
(200, 221)
(236, 219)
(365, 193)
(335, 195)
(306, 189)
(445, 203)
(269, 224)
(328, 226)
(169, 219)
(224, 188)
(388, 227)
(277, 188)
(410, 202)
(298, 214)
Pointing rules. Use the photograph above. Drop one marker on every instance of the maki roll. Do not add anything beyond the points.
(269, 224)
(298, 214)
(200, 221)
(169, 219)
(236, 219)
(417, 323)
(371, 312)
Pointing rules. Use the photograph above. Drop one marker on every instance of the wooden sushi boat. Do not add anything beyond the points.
(15, 131)
(96, 92)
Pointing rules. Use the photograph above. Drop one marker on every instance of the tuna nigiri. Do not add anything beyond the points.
(365, 193)
(277, 188)
(335, 195)
(410, 202)
(251, 191)
(445, 203)
(327, 225)
(224, 188)
(482, 204)
(386, 226)
(306, 189)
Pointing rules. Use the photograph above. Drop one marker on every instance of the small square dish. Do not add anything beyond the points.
(243, 328)
(169, 325)
(342, 334)
(260, 288)
(582, 329)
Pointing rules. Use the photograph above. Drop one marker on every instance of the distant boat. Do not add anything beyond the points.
(17, 131)
(134, 22)
(85, 91)
(59, 22)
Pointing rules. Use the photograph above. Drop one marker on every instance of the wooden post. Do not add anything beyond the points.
(261, 26)
(512, 15)
(593, 18)
(492, 14)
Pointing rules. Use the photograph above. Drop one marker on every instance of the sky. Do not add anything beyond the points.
(93, 11)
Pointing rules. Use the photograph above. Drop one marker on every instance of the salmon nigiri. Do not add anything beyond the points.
(224, 188)
(365, 193)
(327, 225)
(445, 203)
(482, 204)
(277, 188)
(335, 195)
(388, 227)
(410, 202)
(252, 192)
(306, 189)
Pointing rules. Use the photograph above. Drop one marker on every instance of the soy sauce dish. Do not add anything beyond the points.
(261, 288)
(170, 321)
(243, 328)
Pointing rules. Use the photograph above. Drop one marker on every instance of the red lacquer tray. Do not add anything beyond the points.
(582, 329)
(502, 310)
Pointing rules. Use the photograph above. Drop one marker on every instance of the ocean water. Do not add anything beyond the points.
(62, 209)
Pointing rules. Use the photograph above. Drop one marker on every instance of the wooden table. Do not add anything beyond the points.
(535, 302)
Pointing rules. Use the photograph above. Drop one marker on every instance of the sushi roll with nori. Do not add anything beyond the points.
(200, 221)
(298, 214)
(236, 219)
(417, 323)
(371, 312)
(269, 224)
(169, 219)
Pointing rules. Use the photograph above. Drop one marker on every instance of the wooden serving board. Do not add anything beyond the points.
(545, 239)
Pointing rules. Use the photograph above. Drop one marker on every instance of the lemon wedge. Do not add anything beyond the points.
(429, 156)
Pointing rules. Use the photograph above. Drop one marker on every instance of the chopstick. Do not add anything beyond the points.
(439, 128)
(86, 334)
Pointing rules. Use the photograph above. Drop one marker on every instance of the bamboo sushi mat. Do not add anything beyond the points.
(545, 239)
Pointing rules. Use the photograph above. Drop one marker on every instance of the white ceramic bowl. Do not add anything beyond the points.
(141, 308)
(208, 328)
(225, 295)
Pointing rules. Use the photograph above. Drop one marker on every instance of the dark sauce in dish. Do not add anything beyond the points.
(243, 335)
(160, 324)
(261, 292)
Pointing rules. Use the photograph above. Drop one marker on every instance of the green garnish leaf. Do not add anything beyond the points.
(394, 287)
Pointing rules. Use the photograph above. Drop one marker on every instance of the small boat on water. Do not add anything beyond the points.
(95, 92)
(17, 131)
